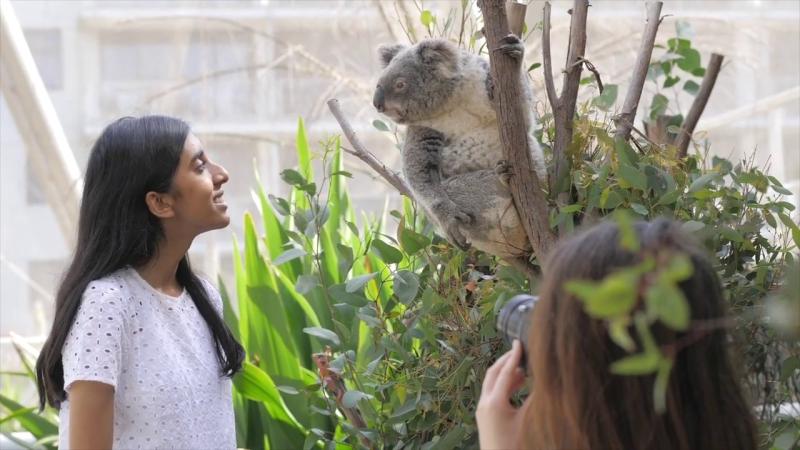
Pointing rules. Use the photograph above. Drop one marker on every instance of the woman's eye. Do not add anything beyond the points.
(201, 167)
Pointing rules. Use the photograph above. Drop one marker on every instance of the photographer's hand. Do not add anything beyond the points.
(499, 422)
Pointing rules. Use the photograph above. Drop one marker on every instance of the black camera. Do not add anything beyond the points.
(514, 320)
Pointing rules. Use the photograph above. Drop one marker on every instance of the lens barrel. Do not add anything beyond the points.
(514, 320)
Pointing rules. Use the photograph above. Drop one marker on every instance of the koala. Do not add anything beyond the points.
(452, 157)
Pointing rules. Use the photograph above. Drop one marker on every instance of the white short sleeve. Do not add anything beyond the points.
(93, 348)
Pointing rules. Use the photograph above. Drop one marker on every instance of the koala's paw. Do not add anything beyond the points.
(426, 135)
(452, 218)
(503, 171)
(511, 45)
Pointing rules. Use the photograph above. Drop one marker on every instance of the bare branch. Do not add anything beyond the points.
(625, 119)
(528, 195)
(516, 16)
(363, 154)
(563, 116)
(549, 84)
(699, 104)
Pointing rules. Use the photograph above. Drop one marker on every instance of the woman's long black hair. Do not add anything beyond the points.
(131, 157)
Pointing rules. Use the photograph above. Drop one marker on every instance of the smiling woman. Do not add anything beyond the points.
(130, 300)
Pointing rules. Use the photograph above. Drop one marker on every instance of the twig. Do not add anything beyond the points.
(528, 195)
(625, 119)
(363, 154)
(699, 104)
(335, 386)
(549, 84)
(591, 68)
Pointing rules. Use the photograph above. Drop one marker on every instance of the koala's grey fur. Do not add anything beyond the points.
(443, 95)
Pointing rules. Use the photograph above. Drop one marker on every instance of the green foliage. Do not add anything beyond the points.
(410, 325)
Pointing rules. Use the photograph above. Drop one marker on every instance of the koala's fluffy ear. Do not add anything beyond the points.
(441, 53)
(388, 52)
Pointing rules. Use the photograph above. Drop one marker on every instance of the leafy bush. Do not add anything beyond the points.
(411, 319)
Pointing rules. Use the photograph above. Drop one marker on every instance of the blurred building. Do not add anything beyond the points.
(242, 72)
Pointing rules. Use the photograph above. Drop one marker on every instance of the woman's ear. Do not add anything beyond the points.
(160, 205)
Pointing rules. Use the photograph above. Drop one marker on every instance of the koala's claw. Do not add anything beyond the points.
(456, 238)
(503, 171)
(511, 45)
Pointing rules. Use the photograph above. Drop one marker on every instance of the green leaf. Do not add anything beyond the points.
(534, 66)
(406, 285)
(690, 61)
(679, 268)
(789, 366)
(633, 176)
(380, 125)
(612, 297)
(358, 282)
(671, 81)
(606, 100)
(618, 331)
(411, 241)
(658, 106)
(702, 181)
(305, 283)
(627, 235)
(388, 253)
(692, 226)
(661, 384)
(667, 302)
(293, 177)
(639, 208)
(691, 87)
(289, 255)
(669, 198)
(639, 364)
(427, 18)
(683, 29)
(351, 398)
(730, 234)
(256, 384)
(339, 293)
(323, 333)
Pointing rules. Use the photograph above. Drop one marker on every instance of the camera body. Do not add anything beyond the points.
(514, 321)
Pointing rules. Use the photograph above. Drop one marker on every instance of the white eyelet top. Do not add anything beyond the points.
(158, 353)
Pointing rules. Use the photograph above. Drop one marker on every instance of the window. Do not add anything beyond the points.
(191, 72)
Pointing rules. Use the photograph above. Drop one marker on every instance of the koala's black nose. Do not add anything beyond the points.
(377, 99)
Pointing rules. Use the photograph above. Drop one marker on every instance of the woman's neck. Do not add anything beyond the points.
(160, 272)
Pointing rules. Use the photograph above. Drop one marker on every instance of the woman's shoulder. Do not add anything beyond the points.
(115, 283)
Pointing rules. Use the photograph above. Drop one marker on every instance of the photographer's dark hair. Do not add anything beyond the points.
(577, 403)
(131, 157)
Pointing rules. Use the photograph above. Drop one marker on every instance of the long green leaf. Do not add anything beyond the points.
(303, 162)
(256, 384)
(37, 425)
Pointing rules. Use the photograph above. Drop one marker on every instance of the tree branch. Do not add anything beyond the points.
(625, 119)
(549, 84)
(699, 104)
(528, 195)
(565, 113)
(363, 154)
(516, 16)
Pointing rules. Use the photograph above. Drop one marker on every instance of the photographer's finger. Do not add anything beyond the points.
(508, 375)
(491, 374)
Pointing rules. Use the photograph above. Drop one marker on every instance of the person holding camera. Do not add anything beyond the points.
(575, 402)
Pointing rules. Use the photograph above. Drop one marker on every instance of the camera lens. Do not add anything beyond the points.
(514, 320)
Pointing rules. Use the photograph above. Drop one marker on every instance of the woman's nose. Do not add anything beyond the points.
(220, 175)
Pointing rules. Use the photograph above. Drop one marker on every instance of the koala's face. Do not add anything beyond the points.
(416, 81)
